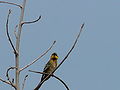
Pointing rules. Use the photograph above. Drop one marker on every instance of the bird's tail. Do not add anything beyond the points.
(40, 83)
(38, 86)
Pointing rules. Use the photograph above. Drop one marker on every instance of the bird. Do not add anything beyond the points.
(49, 67)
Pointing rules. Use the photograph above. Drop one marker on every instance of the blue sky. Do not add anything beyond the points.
(94, 62)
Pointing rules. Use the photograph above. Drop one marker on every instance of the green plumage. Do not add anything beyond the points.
(49, 67)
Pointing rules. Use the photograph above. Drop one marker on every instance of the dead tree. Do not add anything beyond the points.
(16, 49)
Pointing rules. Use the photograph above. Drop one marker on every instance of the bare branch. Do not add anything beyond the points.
(7, 75)
(11, 43)
(61, 82)
(66, 55)
(15, 31)
(5, 81)
(17, 59)
(32, 21)
(11, 3)
(23, 85)
(8, 83)
(38, 57)
(81, 28)
(52, 76)
(38, 72)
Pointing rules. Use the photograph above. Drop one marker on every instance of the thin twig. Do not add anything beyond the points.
(11, 43)
(81, 28)
(52, 76)
(66, 55)
(7, 75)
(8, 82)
(5, 81)
(23, 85)
(29, 22)
(61, 82)
(38, 57)
(15, 31)
(11, 3)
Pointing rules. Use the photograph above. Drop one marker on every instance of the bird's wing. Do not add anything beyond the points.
(45, 70)
(47, 66)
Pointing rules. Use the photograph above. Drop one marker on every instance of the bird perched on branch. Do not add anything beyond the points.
(49, 67)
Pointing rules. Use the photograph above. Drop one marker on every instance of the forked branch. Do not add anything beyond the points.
(5, 81)
(8, 77)
(38, 57)
(11, 4)
(54, 77)
(81, 28)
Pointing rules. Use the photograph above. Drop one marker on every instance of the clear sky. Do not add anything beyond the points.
(94, 63)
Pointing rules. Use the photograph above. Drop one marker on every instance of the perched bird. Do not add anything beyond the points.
(49, 67)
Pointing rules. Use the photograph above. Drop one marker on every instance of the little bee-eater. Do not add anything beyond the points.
(49, 67)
